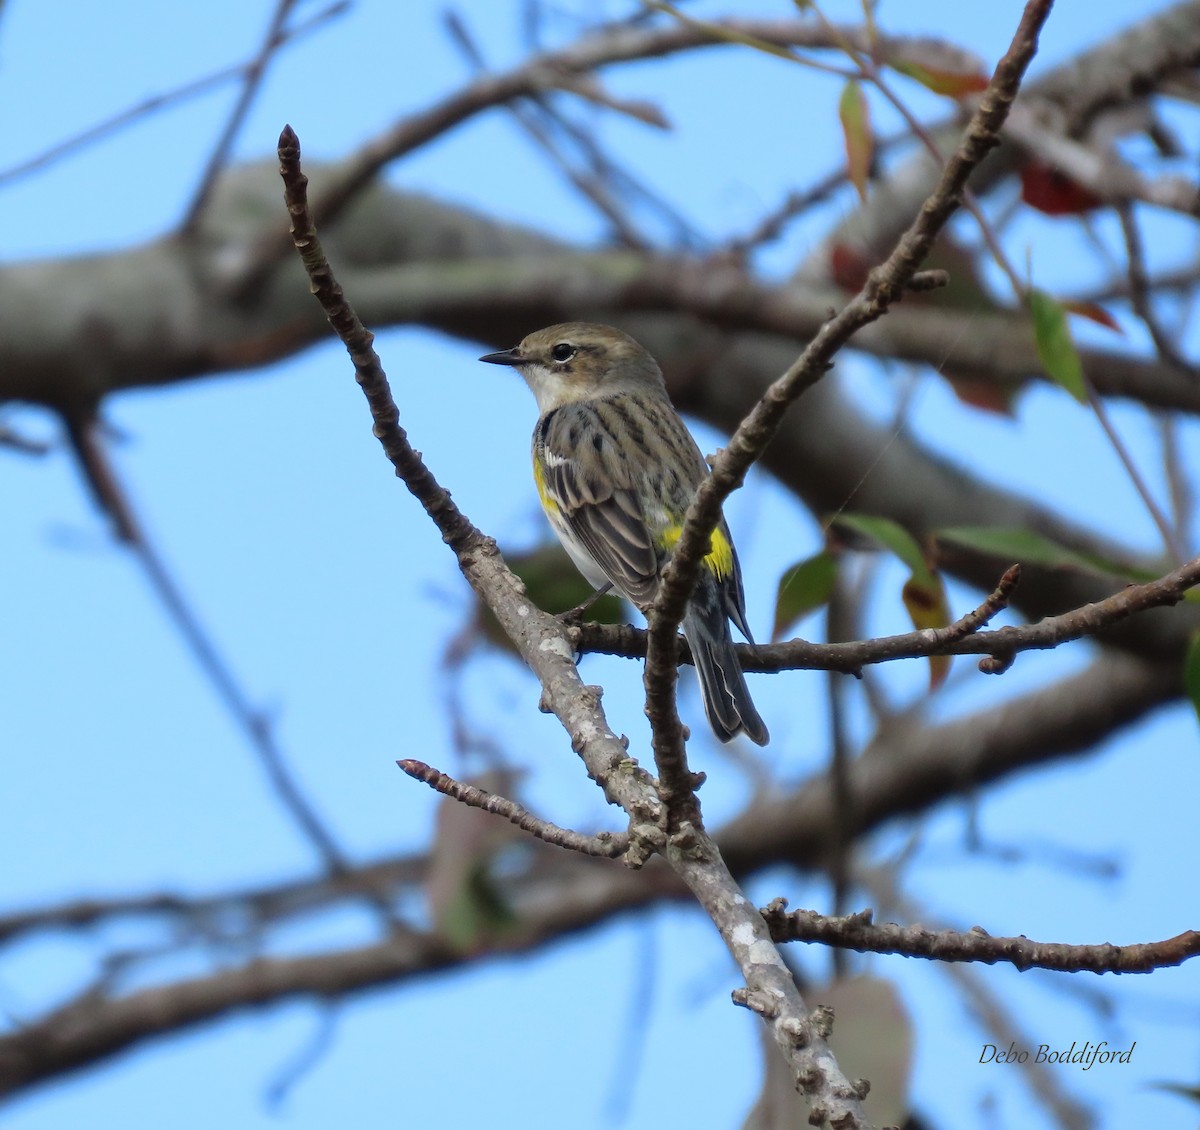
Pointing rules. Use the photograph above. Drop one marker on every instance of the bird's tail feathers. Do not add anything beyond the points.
(727, 700)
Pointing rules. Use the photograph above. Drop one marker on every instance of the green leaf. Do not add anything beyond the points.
(1055, 349)
(1022, 546)
(807, 585)
(1029, 548)
(856, 128)
(891, 536)
(1191, 672)
(476, 913)
(466, 904)
(924, 593)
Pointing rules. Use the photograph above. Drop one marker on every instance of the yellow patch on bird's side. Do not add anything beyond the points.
(719, 558)
(539, 480)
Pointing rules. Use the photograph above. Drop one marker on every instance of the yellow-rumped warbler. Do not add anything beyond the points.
(616, 470)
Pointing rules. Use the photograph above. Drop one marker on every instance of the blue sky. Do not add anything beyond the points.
(332, 600)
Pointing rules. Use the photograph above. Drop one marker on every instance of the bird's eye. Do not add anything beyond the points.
(563, 351)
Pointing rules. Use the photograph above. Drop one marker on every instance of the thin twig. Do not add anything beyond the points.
(978, 618)
(1179, 485)
(158, 102)
(14, 441)
(1182, 279)
(907, 773)
(858, 932)
(592, 188)
(770, 227)
(541, 639)
(1050, 632)
(885, 286)
(606, 845)
(251, 908)
(1005, 1022)
(1139, 294)
(771, 990)
(113, 499)
(1169, 536)
(870, 72)
(724, 32)
(251, 80)
(621, 42)
(840, 625)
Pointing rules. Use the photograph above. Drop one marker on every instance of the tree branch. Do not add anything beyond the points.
(904, 771)
(252, 78)
(859, 932)
(540, 639)
(963, 637)
(885, 286)
(606, 845)
(770, 990)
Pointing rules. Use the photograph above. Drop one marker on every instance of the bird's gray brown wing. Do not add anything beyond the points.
(586, 477)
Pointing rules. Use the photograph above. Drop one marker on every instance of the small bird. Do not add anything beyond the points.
(616, 469)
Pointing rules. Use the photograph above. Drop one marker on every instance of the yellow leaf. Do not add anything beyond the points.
(856, 127)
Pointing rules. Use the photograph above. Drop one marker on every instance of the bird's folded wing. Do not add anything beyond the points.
(601, 509)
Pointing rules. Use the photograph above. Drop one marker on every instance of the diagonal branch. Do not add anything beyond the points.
(540, 638)
(251, 81)
(157, 102)
(770, 991)
(885, 286)
(566, 69)
(114, 500)
(606, 845)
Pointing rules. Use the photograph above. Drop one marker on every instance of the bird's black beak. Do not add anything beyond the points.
(504, 357)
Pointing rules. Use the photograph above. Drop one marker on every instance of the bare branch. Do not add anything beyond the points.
(540, 639)
(602, 182)
(1102, 172)
(1174, 547)
(885, 286)
(859, 932)
(606, 845)
(158, 102)
(904, 771)
(770, 987)
(1005, 1022)
(961, 638)
(114, 500)
(556, 70)
(253, 908)
(1139, 295)
(252, 78)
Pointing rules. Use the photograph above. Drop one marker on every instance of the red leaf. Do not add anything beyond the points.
(954, 84)
(989, 396)
(1096, 313)
(848, 267)
(1053, 192)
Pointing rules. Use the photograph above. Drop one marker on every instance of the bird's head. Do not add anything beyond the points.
(579, 361)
